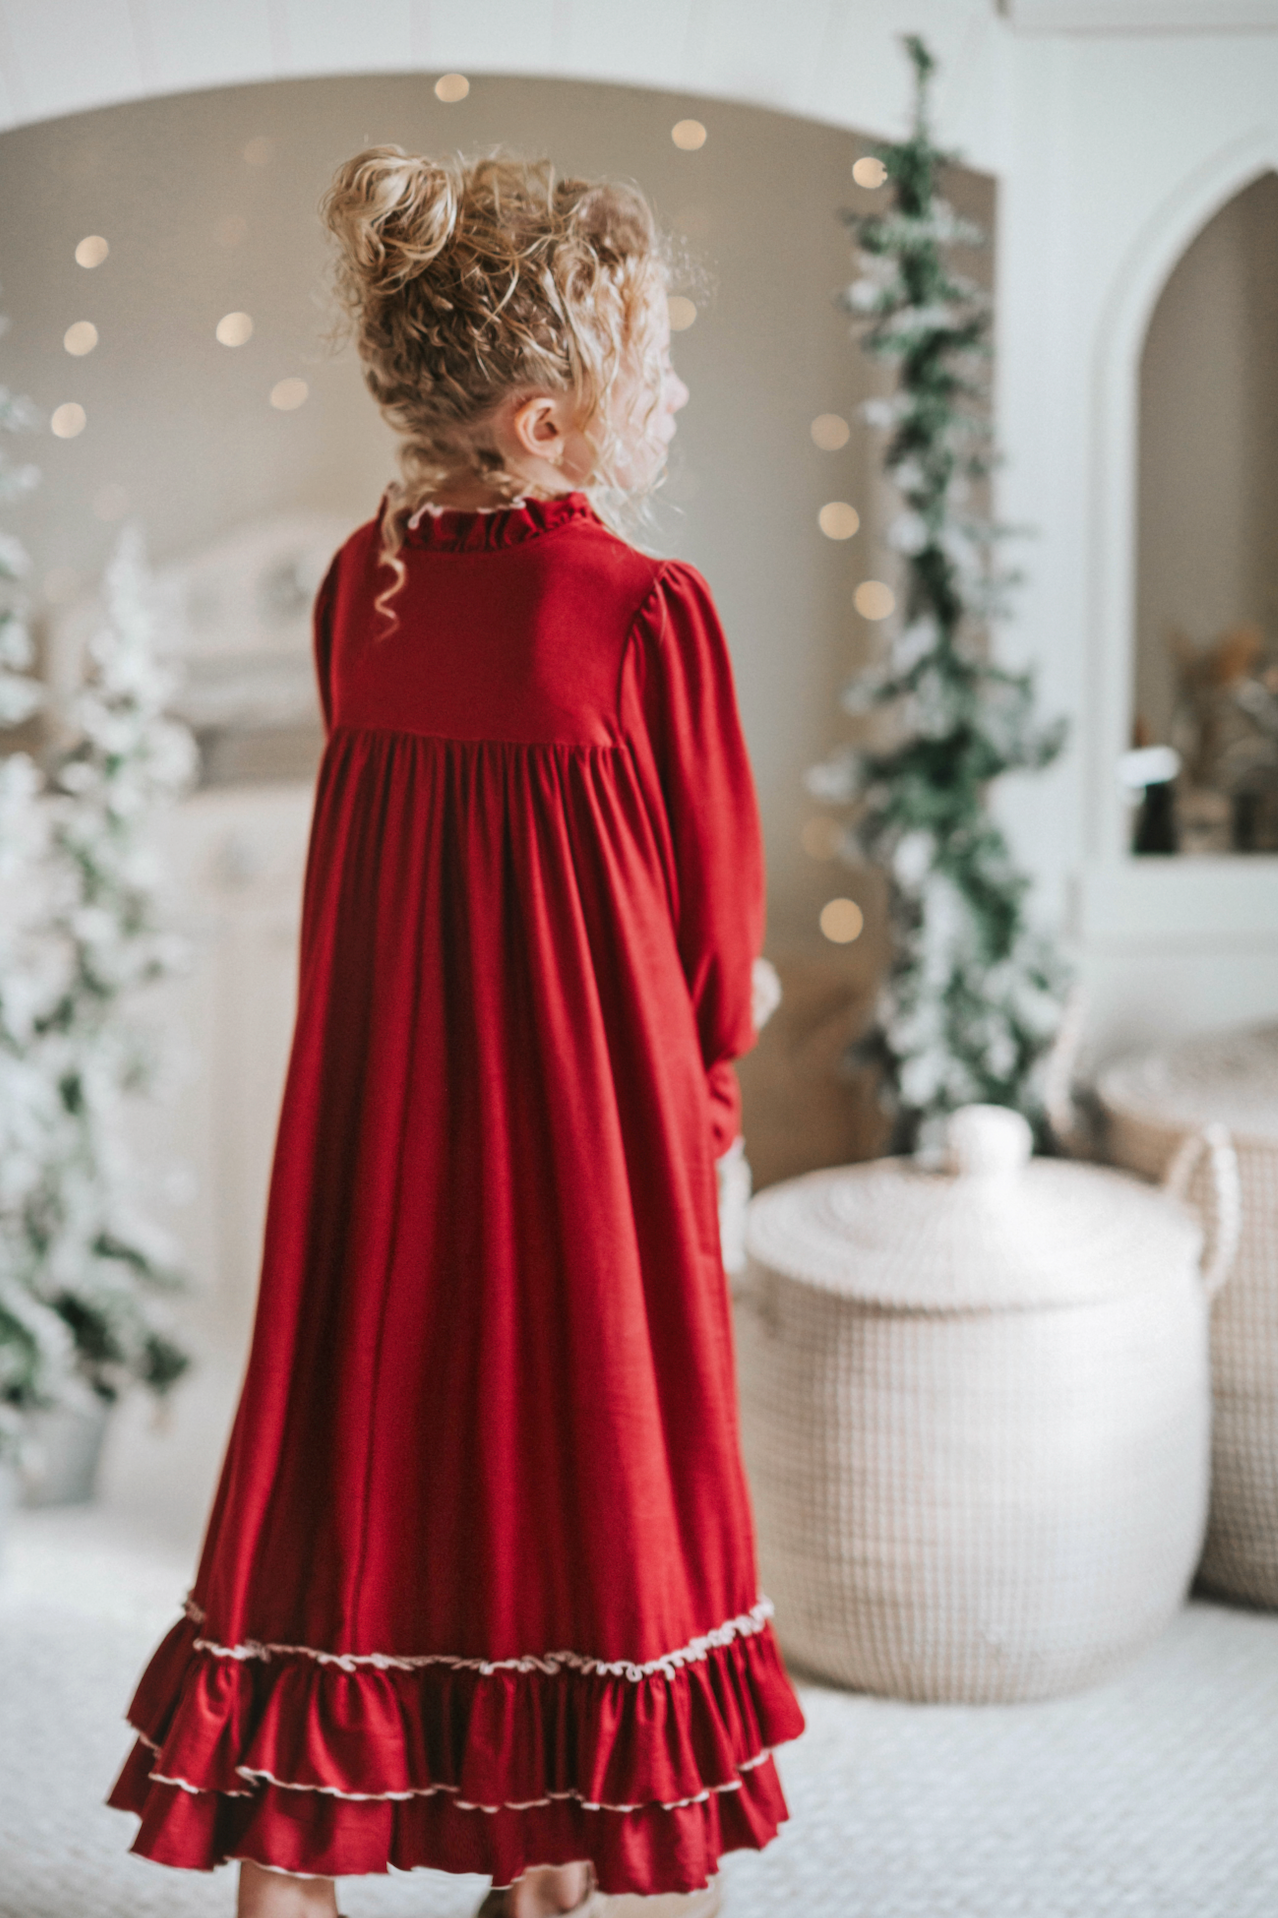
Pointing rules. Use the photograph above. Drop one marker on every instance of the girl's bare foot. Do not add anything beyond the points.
(546, 1891)
(276, 1894)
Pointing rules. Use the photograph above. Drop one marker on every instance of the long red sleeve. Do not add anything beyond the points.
(689, 701)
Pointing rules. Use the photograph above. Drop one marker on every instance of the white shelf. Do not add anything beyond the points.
(1221, 902)
(1141, 16)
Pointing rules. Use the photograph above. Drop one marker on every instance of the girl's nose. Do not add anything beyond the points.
(676, 394)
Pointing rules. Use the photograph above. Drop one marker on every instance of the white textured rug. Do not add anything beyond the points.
(1156, 1796)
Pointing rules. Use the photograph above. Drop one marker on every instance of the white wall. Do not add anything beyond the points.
(834, 60)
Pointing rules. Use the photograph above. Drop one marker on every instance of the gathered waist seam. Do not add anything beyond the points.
(614, 746)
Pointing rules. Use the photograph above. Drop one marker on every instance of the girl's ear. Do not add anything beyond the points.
(540, 429)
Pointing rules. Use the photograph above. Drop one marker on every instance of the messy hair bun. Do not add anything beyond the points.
(466, 281)
(391, 214)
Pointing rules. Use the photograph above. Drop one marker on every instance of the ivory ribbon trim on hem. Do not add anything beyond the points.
(551, 1663)
(432, 1791)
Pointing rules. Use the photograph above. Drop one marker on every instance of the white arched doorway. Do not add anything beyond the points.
(1178, 220)
(1167, 946)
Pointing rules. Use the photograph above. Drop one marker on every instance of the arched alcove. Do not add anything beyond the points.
(1206, 627)
(1166, 946)
(208, 204)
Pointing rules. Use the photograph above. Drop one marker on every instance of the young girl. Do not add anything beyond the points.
(478, 1590)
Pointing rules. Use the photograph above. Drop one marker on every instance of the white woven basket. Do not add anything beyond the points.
(975, 1413)
(1152, 1103)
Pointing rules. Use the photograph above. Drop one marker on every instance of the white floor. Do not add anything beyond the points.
(1156, 1796)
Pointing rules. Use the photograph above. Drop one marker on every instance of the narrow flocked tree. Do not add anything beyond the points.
(101, 1261)
(36, 1347)
(973, 997)
(80, 932)
(20, 692)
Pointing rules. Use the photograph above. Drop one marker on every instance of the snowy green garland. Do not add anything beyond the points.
(974, 996)
(79, 932)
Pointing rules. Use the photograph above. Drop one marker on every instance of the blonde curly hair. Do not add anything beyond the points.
(464, 282)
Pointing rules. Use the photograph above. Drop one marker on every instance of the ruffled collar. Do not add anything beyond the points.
(482, 529)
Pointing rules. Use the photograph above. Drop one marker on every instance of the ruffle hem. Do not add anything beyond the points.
(304, 1764)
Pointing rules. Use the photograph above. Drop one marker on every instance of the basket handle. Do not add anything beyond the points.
(1226, 1221)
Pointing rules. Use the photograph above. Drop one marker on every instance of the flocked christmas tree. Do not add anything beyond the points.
(36, 1346)
(973, 999)
(79, 933)
(101, 1261)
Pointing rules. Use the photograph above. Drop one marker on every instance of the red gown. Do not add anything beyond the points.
(478, 1589)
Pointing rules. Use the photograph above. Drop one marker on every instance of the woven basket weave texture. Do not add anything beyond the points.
(1151, 1103)
(962, 1500)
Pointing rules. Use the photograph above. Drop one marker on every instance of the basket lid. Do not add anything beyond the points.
(1230, 1078)
(992, 1230)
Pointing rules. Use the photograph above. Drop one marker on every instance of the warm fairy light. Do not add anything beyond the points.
(821, 837)
(688, 134)
(234, 329)
(91, 251)
(259, 151)
(110, 503)
(68, 420)
(841, 921)
(874, 600)
(80, 338)
(286, 394)
(231, 229)
(830, 431)
(682, 313)
(838, 520)
(451, 87)
(869, 172)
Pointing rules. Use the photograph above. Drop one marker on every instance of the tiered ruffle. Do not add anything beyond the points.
(339, 1768)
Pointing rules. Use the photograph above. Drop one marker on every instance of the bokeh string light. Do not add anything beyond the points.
(838, 520)
(68, 420)
(841, 921)
(234, 329)
(869, 172)
(874, 600)
(287, 395)
(830, 431)
(81, 338)
(451, 87)
(91, 251)
(688, 135)
(682, 313)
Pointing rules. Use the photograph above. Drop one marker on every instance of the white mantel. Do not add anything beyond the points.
(1141, 16)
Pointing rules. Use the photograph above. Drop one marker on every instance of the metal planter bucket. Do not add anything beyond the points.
(63, 1452)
